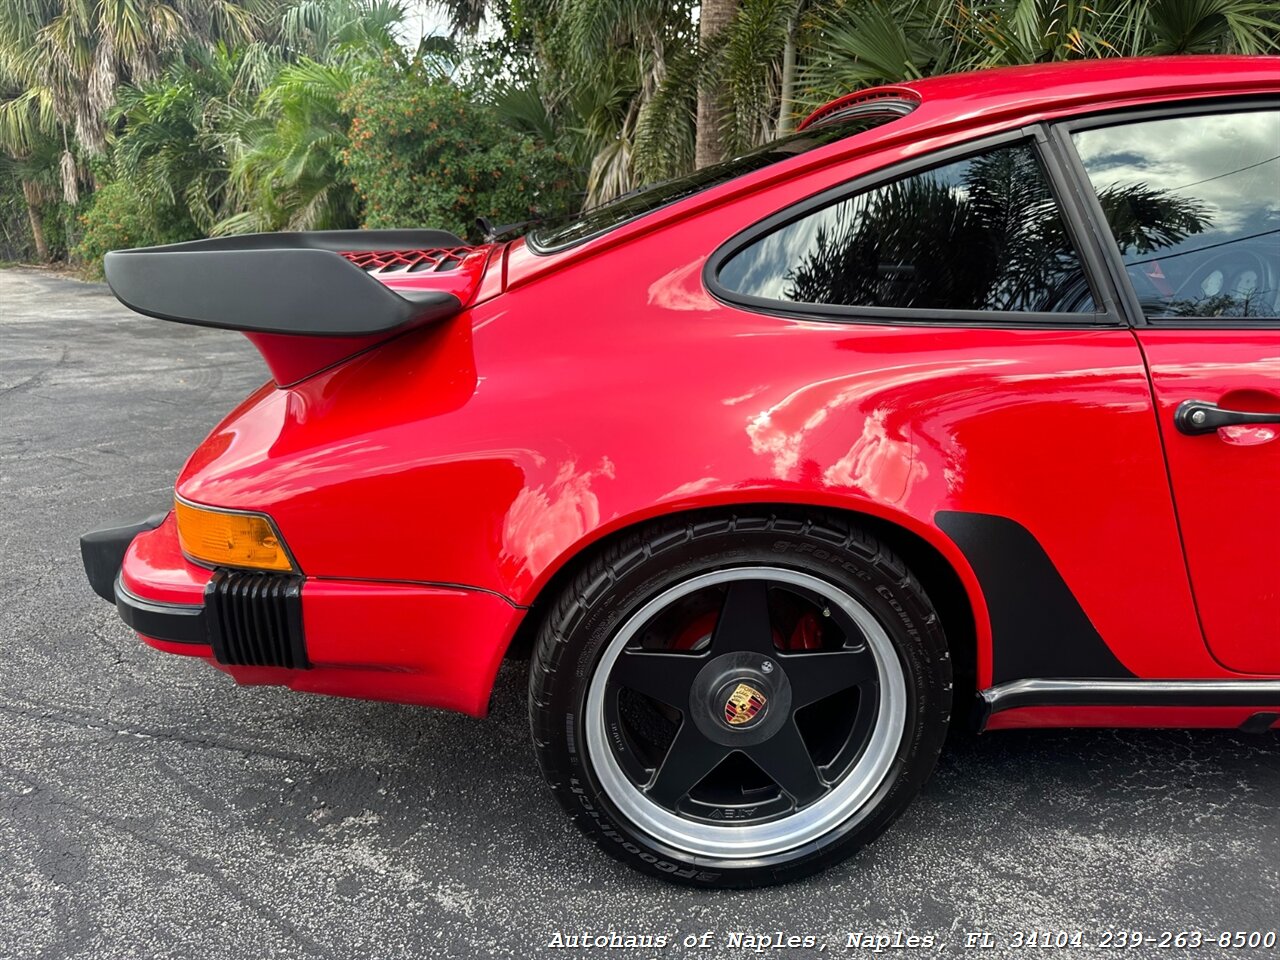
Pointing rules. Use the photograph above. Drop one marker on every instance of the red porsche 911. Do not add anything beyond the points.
(966, 393)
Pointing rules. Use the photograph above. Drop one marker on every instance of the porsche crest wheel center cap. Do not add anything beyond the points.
(740, 698)
(744, 705)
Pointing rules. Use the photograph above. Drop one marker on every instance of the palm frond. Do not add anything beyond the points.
(750, 73)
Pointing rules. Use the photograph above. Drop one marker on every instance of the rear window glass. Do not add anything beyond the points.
(558, 234)
(983, 233)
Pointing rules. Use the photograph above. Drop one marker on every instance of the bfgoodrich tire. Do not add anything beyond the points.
(739, 700)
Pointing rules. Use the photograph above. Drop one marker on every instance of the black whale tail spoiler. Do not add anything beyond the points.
(354, 287)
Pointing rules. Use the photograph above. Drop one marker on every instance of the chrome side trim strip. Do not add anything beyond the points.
(1130, 693)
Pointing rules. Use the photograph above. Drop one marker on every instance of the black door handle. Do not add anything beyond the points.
(1196, 417)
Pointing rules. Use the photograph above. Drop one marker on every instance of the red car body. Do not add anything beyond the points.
(434, 489)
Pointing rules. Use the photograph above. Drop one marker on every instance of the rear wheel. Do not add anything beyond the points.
(739, 701)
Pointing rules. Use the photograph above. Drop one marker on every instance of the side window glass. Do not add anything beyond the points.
(1194, 205)
(984, 233)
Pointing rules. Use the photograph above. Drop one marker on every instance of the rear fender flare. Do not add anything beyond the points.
(907, 534)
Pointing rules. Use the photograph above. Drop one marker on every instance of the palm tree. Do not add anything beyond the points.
(249, 138)
(749, 76)
(713, 19)
(29, 151)
(867, 42)
(169, 148)
(466, 16)
(284, 151)
(625, 49)
(74, 54)
(285, 171)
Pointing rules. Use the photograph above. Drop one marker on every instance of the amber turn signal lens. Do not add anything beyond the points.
(230, 539)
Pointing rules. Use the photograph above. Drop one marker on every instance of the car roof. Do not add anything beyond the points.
(951, 108)
(981, 94)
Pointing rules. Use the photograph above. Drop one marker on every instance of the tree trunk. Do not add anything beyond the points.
(31, 193)
(788, 86)
(715, 15)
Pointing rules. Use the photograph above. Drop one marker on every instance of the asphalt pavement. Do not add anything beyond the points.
(149, 808)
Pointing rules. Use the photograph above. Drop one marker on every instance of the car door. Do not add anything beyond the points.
(1191, 197)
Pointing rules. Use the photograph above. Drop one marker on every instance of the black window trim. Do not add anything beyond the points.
(1104, 240)
(1060, 186)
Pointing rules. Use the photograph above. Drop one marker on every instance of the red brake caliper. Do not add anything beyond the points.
(696, 631)
(807, 635)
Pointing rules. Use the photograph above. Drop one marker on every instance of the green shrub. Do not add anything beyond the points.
(421, 154)
(118, 218)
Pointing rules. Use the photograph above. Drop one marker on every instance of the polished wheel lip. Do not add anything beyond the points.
(844, 803)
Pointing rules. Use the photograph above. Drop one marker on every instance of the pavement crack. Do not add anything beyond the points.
(92, 720)
(38, 377)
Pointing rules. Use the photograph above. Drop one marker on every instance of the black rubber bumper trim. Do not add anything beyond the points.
(102, 551)
(255, 619)
(174, 622)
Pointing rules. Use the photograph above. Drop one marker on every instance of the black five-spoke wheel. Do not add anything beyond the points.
(794, 687)
(738, 723)
(740, 693)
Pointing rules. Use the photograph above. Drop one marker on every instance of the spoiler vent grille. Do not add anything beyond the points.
(435, 260)
(255, 619)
